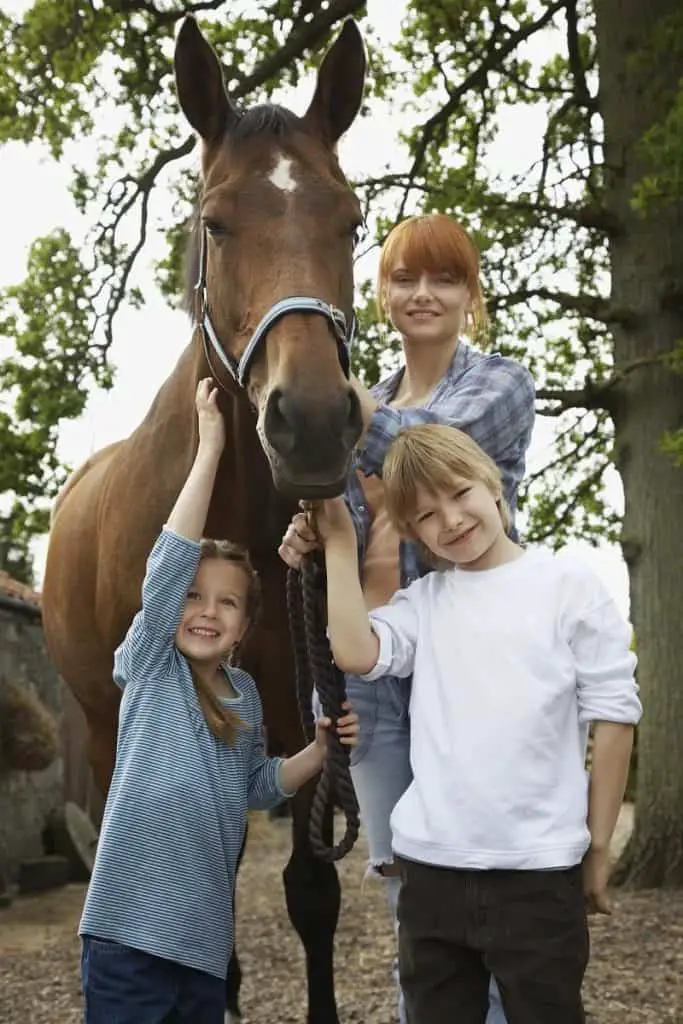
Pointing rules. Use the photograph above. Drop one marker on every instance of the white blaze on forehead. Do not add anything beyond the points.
(281, 175)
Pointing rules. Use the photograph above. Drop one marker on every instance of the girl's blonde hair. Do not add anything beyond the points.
(435, 243)
(430, 456)
(223, 722)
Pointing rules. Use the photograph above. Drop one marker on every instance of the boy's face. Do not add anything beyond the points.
(462, 525)
(215, 615)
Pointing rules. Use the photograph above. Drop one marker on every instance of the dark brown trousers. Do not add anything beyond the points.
(526, 928)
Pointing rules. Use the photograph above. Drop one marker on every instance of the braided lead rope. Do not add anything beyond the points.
(304, 680)
(315, 666)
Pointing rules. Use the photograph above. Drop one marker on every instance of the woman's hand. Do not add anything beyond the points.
(299, 540)
(209, 417)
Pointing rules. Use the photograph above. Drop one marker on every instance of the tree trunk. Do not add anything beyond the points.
(637, 89)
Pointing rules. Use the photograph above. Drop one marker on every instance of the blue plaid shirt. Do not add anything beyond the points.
(489, 397)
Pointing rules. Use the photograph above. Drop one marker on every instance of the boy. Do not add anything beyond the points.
(501, 843)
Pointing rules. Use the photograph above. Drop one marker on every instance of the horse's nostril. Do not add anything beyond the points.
(279, 428)
(354, 420)
(314, 433)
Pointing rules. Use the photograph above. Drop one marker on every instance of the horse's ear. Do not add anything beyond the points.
(200, 85)
(339, 89)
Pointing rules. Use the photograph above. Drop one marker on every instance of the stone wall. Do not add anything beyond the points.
(27, 798)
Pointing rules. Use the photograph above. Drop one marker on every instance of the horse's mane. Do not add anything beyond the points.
(264, 119)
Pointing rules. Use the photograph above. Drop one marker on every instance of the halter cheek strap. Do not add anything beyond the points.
(239, 369)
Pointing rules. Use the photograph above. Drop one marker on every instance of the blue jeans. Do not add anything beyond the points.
(381, 773)
(122, 985)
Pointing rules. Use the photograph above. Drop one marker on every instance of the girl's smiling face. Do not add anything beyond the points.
(215, 614)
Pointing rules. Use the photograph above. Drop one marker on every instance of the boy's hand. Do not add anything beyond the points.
(209, 417)
(348, 729)
(332, 522)
(596, 872)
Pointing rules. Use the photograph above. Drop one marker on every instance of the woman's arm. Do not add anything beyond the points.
(493, 402)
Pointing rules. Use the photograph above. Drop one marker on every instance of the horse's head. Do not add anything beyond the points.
(272, 256)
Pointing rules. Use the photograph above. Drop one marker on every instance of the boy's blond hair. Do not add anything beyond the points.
(430, 456)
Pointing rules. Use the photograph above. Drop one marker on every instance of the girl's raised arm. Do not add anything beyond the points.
(188, 516)
(173, 562)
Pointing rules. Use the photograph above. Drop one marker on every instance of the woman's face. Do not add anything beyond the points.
(427, 306)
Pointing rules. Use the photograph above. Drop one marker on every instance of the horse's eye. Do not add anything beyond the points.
(215, 228)
(358, 232)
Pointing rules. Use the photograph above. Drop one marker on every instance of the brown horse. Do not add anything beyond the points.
(271, 255)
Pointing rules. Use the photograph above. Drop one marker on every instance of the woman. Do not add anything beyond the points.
(428, 285)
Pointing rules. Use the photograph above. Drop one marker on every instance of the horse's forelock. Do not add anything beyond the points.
(266, 119)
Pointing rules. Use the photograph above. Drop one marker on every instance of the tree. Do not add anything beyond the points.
(581, 249)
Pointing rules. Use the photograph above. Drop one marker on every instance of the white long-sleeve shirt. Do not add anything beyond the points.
(510, 666)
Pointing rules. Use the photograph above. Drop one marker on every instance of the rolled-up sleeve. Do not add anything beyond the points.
(605, 665)
(150, 641)
(492, 402)
(396, 626)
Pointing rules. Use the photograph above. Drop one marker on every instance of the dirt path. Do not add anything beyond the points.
(636, 974)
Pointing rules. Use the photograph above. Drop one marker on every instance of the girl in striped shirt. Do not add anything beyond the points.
(157, 926)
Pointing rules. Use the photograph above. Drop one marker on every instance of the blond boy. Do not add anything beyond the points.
(502, 843)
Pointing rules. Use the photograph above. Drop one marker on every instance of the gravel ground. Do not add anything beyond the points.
(636, 974)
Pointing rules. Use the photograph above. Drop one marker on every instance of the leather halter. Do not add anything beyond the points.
(344, 333)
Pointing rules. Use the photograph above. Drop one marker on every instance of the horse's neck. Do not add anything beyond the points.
(244, 506)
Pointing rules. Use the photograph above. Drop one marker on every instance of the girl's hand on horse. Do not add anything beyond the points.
(209, 417)
(333, 523)
(299, 540)
(348, 729)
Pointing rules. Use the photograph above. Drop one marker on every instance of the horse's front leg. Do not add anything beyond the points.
(313, 898)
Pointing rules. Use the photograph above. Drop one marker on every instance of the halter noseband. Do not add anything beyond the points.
(239, 369)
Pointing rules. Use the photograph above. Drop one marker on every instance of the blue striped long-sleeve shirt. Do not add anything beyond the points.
(176, 812)
(488, 396)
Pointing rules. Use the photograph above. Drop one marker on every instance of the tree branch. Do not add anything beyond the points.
(592, 306)
(593, 217)
(436, 125)
(162, 17)
(582, 490)
(587, 446)
(584, 100)
(303, 37)
(595, 394)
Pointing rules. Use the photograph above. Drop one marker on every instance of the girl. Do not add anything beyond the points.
(158, 918)
(513, 654)
(428, 284)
